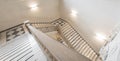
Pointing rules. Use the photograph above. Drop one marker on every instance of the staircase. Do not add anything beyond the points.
(63, 43)
(22, 48)
(68, 36)
(54, 50)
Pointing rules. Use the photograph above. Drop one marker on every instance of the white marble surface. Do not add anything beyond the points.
(23, 48)
(111, 52)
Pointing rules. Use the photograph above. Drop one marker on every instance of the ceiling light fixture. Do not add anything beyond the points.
(100, 37)
(33, 6)
(74, 13)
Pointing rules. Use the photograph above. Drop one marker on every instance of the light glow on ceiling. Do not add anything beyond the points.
(33, 6)
(101, 37)
(74, 13)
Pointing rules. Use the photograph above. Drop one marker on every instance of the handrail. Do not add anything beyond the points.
(59, 23)
(58, 50)
(113, 34)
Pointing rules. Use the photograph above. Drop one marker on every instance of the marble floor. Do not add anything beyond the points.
(10, 34)
(22, 48)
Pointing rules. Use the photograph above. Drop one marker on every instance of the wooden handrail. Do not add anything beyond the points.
(58, 50)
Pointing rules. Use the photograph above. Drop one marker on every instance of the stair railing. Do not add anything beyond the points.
(75, 40)
(55, 50)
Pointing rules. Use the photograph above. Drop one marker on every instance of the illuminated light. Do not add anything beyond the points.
(33, 6)
(74, 13)
(100, 37)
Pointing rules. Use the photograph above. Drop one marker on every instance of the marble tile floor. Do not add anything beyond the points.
(10, 34)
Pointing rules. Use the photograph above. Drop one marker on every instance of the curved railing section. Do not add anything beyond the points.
(71, 37)
(55, 50)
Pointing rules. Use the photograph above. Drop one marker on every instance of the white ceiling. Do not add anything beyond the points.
(93, 16)
(13, 12)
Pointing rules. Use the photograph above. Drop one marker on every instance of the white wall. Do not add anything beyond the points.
(94, 16)
(13, 12)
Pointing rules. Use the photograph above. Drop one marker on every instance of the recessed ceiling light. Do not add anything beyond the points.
(33, 6)
(73, 13)
(100, 37)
